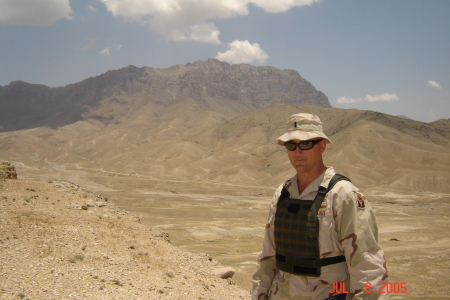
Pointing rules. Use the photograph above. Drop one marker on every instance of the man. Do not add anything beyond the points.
(318, 244)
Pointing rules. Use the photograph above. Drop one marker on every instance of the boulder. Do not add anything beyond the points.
(7, 171)
(224, 273)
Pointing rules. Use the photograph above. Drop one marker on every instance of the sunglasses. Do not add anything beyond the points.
(305, 145)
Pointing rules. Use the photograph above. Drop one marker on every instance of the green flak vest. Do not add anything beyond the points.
(297, 233)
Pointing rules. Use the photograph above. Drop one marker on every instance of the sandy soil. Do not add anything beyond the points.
(59, 241)
(413, 231)
(227, 223)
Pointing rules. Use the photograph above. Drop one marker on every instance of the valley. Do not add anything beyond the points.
(226, 221)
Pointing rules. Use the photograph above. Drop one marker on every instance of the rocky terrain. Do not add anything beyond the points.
(191, 150)
(7, 171)
(116, 96)
(60, 241)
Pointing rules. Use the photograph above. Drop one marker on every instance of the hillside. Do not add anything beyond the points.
(376, 150)
(60, 241)
(208, 122)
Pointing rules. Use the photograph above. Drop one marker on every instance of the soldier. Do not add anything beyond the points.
(321, 237)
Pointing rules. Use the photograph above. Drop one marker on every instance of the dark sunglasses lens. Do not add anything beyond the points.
(306, 145)
(290, 146)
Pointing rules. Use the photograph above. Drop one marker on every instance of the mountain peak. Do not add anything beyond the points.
(210, 85)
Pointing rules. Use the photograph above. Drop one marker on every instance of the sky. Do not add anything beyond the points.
(390, 56)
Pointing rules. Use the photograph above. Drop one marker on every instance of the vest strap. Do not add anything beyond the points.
(311, 263)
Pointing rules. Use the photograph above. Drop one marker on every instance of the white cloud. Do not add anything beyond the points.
(34, 13)
(88, 44)
(381, 97)
(277, 6)
(207, 33)
(243, 52)
(434, 84)
(369, 98)
(431, 116)
(92, 8)
(105, 51)
(191, 19)
(344, 99)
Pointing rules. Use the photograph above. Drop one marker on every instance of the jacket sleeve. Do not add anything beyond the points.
(266, 267)
(358, 234)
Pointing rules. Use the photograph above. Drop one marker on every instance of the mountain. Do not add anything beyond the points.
(377, 151)
(207, 124)
(404, 117)
(217, 88)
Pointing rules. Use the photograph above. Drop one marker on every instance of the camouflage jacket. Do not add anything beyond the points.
(347, 227)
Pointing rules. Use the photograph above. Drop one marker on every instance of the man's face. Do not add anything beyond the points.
(307, 160)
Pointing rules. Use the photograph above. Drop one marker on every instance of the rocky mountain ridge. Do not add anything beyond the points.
(211, 122)
(229, 90)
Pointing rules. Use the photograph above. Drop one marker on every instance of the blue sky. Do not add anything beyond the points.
(391, 56)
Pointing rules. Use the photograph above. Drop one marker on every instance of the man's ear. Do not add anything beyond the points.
(323, 145)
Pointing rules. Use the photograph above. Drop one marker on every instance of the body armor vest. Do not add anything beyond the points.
(297, 233)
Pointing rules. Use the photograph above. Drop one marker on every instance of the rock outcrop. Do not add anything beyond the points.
(210, 85)
(7, 171)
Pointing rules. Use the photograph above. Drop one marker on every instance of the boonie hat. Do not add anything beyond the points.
(303, 127)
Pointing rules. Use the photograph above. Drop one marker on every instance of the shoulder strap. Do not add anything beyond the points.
(323, 191)
(335, 179)
(284, 192)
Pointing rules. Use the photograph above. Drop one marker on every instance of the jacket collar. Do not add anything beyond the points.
(310, 192)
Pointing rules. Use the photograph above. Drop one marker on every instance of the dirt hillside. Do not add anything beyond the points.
(60, 241)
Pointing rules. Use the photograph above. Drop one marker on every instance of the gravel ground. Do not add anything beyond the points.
(59, 241)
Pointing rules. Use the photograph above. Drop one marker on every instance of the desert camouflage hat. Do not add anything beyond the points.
(303, 127)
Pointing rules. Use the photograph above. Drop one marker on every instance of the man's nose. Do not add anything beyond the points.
(298, 150)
